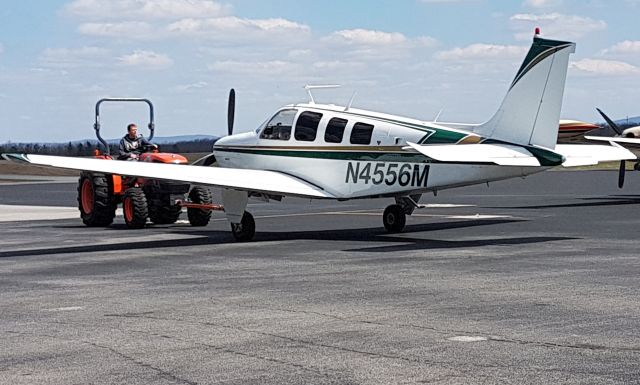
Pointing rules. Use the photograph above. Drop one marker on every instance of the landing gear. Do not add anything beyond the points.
(135, 208)
(95, 201)
(245, 230)
(394, 218)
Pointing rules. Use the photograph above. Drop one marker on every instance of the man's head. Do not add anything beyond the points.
(132, 129)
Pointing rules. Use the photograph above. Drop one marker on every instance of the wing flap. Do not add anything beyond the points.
(592, 154)
(241, 179)
(500, 154)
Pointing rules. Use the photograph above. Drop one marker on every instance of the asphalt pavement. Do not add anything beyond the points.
(532, 281)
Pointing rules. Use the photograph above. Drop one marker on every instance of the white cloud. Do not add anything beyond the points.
(624, 47)
(368, 37)
(555, 24)
(146, 60)
(446, 1)
(542, 3)
(129, 29)
(604, 67)
(264, 67)
(1, 48)
(223, 28)
(192, 86)
(145, 9)
(74, 57)
(482, 52)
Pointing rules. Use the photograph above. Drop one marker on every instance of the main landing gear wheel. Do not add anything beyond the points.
(246, 229)
(199, 217)
(95, 200)
(134, 205)
(394, 218)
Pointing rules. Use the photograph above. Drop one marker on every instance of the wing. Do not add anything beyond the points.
(503, 155)
(240, 179)
(567, 155)
(588, 154)
(614, 139)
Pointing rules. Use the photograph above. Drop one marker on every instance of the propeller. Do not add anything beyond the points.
(621, 172)
(210, 159)
(610, 122)
(623, 166)
(231, 110)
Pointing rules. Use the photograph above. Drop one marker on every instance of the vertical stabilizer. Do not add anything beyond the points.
(530, 111)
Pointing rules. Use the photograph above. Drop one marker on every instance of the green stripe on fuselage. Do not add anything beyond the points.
(380, 156)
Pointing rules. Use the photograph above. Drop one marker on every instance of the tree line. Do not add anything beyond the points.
(88, 147)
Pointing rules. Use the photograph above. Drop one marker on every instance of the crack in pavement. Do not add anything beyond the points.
(163, 373)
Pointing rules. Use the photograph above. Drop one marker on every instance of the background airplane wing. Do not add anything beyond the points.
(240, 179)
(591, 154)
(614, 140)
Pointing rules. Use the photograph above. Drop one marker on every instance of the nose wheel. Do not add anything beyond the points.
(394, 218)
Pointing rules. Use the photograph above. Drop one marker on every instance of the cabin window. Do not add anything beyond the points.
(307, 126)
(361, 133)
(279, 127)
(335, 130)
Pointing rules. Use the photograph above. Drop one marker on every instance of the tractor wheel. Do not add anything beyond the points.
(95, 200)
(164, 214)
(394, 218)
(246, 229)
(199, 217)
(134, 206)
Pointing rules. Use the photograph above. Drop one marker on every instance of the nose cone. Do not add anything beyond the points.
(247, 138)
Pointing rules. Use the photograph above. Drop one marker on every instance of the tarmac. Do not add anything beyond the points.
(532, 281)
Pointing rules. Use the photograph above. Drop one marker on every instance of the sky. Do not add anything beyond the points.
(406, 57)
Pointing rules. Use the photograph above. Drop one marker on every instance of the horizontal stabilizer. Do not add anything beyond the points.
(614, 140)
(239, 179)
(588, 155)
(500, 154)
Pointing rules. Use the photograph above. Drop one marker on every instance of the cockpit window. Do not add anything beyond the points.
(307, 126)
(279, 127)
(335, 130)
(361, 133)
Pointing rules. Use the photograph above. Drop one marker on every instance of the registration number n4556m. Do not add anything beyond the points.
(403, 174)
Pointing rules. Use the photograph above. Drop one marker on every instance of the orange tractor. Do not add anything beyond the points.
(161, 201)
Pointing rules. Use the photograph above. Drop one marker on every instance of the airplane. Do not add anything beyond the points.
(326, 151)
(574, 130)
(628, 136)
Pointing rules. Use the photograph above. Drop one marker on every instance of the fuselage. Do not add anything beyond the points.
(354, 153)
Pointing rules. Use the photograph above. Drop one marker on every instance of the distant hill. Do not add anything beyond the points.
(180, 144)
(631, 121)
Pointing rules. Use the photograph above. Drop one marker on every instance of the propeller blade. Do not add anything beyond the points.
(623, 169)
(610, 122)
(231, 110)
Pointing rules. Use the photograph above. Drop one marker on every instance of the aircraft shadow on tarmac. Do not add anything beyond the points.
(613, 200)
(403, 241)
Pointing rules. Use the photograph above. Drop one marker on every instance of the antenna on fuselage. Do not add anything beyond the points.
(351, 101)
(310, 87)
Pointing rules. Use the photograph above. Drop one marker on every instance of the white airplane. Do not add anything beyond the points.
(322, 151)
(629, 136)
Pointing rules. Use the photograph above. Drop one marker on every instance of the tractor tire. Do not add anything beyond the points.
(95, 199)
(246, 229)
(134, 206)
(199, 217)
(164, 214)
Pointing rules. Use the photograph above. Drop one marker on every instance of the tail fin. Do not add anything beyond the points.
(530, 111)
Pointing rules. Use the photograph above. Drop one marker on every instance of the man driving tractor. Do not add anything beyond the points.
(132, 144)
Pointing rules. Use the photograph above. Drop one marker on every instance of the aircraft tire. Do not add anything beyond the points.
(95, 200)
(246, 229)
(394, 218)
(134, 206)
(199, 217)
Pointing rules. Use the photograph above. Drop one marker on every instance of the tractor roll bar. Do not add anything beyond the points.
(96, 125)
